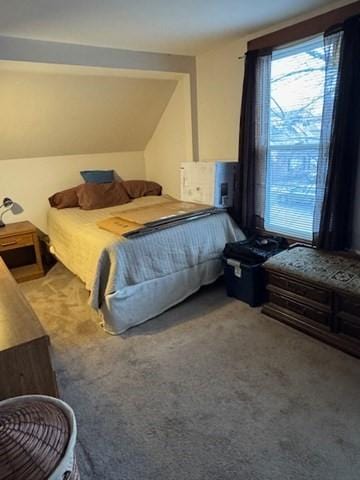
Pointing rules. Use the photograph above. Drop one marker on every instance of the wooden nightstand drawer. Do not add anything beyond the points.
(16, 241)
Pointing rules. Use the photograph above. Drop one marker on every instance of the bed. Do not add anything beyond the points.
(131, 281)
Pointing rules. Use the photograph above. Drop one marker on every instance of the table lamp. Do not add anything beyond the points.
(7, 203)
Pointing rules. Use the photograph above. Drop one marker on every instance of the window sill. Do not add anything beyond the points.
(291, 240)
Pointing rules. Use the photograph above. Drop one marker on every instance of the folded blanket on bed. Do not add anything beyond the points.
(145, 220)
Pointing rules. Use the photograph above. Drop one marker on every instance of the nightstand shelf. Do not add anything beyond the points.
(16, 239)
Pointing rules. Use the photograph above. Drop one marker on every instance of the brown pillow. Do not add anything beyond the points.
(141, 188)
(101, 195)
(65, 199)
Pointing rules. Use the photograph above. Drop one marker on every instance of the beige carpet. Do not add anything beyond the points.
(210, 390)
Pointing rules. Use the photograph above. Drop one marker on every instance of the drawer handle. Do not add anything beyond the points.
(9, 243)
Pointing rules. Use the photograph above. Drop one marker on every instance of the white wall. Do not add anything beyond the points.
(26, 50)
(52, 113)
(220, 76)
(171, 142)
(30, 182)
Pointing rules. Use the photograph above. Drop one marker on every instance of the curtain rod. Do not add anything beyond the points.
(305, 28)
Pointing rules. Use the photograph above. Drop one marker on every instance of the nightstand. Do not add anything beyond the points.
(20, 250)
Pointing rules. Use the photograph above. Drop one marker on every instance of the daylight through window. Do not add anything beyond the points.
(295, 115)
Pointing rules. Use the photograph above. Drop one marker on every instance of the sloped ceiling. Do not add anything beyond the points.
(45, 114)
(181, 27)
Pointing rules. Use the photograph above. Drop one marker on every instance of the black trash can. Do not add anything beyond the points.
(244, 281)
(245, 278)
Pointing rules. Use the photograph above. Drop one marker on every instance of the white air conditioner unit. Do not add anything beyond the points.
(211, 183)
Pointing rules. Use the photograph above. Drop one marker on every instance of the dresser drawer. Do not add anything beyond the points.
(311, 292)
(349, 305)
(315, 315)
(349, 326)
(16, 241)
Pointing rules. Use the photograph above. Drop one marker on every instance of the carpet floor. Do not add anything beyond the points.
(210, 390)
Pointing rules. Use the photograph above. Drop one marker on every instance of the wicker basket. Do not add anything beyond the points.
(37, 439)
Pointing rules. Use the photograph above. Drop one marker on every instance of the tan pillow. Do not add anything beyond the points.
(65, 199)
(101, 195)
(141, 188)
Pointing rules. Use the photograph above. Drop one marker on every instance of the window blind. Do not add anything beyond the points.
(294, 103)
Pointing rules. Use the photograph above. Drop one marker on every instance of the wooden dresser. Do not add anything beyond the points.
(25, 363)
(317, 293)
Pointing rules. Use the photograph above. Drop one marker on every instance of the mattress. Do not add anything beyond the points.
(134, 280)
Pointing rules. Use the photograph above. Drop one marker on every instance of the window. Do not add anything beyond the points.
(294, 125)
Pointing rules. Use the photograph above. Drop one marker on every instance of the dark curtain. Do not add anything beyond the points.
(244, 201)
(338, 162)
(250, 191)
